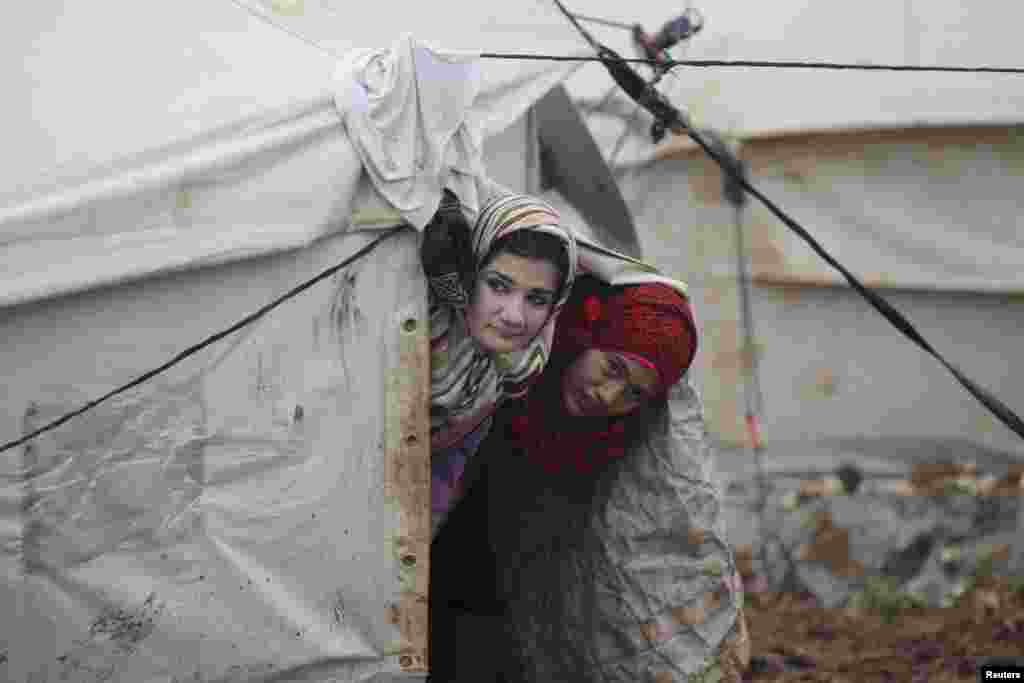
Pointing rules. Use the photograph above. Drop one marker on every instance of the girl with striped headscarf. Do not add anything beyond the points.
(495, 293)
(591, 546)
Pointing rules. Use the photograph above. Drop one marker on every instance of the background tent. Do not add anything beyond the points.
(910, 179)
(258, 512)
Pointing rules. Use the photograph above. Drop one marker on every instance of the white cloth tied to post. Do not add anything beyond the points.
(408, 112)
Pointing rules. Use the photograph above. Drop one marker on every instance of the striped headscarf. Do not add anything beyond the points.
(467, 383)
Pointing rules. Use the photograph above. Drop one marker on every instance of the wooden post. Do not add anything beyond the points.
(407, 457)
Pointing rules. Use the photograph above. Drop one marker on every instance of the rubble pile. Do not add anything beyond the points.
(842, 536)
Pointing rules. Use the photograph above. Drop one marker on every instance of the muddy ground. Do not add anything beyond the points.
(795, 639)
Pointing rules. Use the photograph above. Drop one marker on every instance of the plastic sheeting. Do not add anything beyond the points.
(245, 515)
(277, 182)
(150, 137)
(665, 590)
(928, 209)
(234, 519)
(931, 210)
(928, 215)
(749, 101)
(89, 85)
(242, 516)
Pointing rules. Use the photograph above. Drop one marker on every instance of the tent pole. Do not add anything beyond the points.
(736, 198)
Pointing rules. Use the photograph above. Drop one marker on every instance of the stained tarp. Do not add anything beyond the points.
(237, 518)
(154, 136)
(926, 209)
(663, 591)
(928, 215)
(245, 515)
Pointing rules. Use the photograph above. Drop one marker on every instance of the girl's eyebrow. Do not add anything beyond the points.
(621, 361)
(508, 280)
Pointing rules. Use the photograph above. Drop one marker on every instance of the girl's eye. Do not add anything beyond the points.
(497, 285)
(633, 393)
(540, 301)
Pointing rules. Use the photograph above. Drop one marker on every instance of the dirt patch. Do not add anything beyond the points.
(793, 638)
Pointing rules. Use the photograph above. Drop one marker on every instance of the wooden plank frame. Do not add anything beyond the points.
(407, 456)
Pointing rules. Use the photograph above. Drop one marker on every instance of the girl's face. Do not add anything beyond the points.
(514, 297)
(606, 383)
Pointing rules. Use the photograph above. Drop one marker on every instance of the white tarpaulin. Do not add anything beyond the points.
(749, 101)
(926, 209)
(905, 215)
(230, 519)
(928, 216)
(155, 136)
(245, 515)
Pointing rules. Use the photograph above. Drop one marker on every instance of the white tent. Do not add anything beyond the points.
(169, 169)
(910, 179)
(747, 101)
(927, 217)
